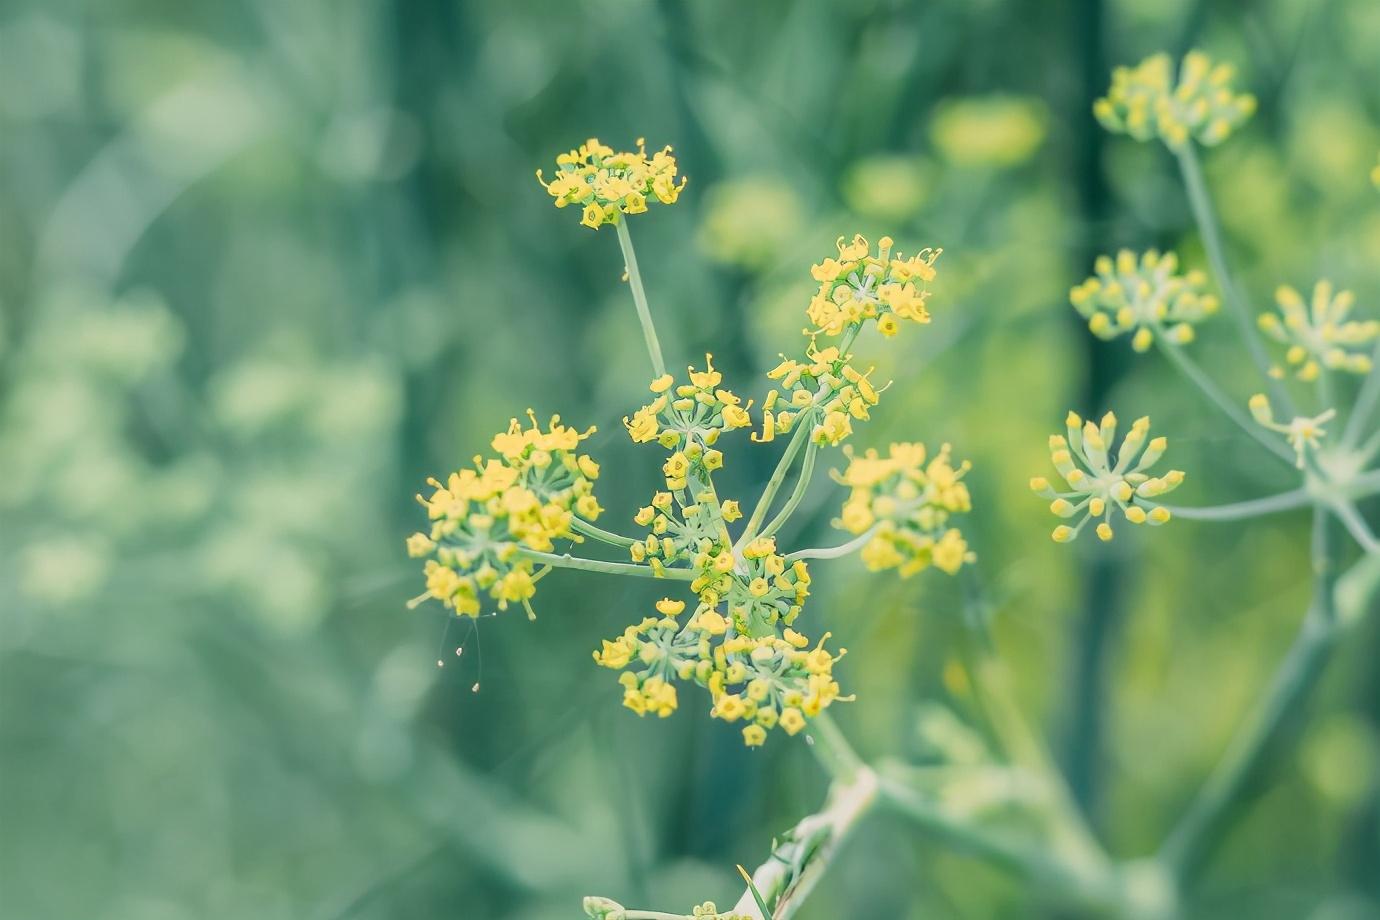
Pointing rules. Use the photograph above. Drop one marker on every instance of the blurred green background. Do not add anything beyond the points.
(267, 265)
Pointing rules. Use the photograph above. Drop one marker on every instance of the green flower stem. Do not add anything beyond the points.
(1370, 448)
(644, 313)
(1065, 881)
(1203, 825)
(599, 533)
(1356, 526)
(834, 552)
(778, 476)
(1285, 501)
(1190, 369)
(807, 469)
(567, 561)
(1201, 203)
(991, 684)
(788, 876)
(1365, 402)
(1364, 484)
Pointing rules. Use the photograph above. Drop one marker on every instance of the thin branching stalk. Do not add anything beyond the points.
(1285, 501)
(1356, 526)
(644, 313)
(1365, 404)
(807, 469)
(599, 533)
(778, 476)
(1201, 203)
(1190, 369)
(567, 561)
(834, 552)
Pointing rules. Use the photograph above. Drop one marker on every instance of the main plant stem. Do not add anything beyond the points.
(644, 313)
(1202, 827)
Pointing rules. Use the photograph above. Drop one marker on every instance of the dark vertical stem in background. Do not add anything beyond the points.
(1106, 574)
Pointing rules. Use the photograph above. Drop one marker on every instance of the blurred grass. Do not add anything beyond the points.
(267, 266)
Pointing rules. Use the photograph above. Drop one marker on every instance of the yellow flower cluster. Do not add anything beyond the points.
(483, 518)
(858, 286)
(826, 388)
(1143, 294)
(606, 184)
(688, 416)
(906, 504)
(1096, 485)
(764, 681)
(1145, 101)
(1318, 334)
(1303, 433)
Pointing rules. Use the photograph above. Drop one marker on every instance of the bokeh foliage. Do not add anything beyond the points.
(265, 266)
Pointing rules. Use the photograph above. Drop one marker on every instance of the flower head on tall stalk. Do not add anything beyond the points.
(1318, 335)
(606, 184)
(906, 505)
(1148, 101)
(860, 285)
(1100, 482)
(528, 497)
(1143, 295)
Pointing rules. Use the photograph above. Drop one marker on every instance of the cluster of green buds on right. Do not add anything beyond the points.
(1319, 335)
(1144, 294)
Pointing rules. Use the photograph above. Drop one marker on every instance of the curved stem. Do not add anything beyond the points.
(567, 561)
(644, 313)
(1203, 825)
(1365, 401)
(1201, 203)
(599, 533)
(834, 552)
(1190, 369)
(777, 477)
(1297, 498)
(1356, 526)
(807, 469)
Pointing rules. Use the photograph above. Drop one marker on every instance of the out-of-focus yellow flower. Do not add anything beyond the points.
(907, 504)
(994, 131)
(1096, 486)
(1146, 101)
(858, 286)
(1304, 433)
(605, 184)
(1145, 295)
(482, 518)
(748, 221)
(1317, 335)
(888, 188)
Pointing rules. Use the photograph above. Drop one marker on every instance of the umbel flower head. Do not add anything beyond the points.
(1318, 334)
(764, 681)
(483, 518)
(826, 388)
(858, 286)
(1303, 433)
(606, 184)
(906, 504)
(1097, 486)
(1146, 101)
(1145, 295)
